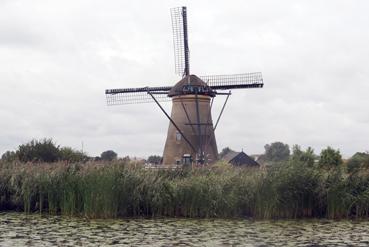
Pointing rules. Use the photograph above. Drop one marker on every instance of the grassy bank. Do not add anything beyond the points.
(289, 190)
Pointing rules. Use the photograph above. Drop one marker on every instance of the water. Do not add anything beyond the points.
(17, 229)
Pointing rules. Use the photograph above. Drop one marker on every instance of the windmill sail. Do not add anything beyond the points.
(180, 41)
(127, 96)
(227, 82)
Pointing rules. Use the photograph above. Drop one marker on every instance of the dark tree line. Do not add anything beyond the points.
(46, 150)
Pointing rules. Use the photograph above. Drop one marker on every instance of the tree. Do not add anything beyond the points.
(224, 152)
(154, 159)
(306, 157)
(43, 150)
(126, 159)
(9, 156)
(276, 151)
(71, 155)
(108, 155)
(330, 158)
(357, 162)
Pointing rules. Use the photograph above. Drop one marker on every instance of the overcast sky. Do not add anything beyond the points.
(58, 57)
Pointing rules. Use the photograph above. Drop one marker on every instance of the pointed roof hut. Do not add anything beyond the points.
(240, 159)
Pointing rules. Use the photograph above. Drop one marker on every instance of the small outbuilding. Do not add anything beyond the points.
(240, 159)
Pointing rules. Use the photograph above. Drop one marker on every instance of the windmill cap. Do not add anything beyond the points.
(191, 84)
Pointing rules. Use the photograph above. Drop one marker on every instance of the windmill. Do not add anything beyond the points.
(190, 136)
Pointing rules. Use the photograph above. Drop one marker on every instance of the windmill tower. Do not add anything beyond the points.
(190, 136)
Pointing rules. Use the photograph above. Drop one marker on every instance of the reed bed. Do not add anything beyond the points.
(110, 190)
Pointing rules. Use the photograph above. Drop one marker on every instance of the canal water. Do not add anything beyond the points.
(18, 229)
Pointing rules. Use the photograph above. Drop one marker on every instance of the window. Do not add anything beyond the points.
(178, 136)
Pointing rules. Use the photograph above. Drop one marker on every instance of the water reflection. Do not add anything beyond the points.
(17, 229)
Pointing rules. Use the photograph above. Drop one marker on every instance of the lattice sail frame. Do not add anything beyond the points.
(134, 98)
(125, 96)
(226, 82)
(179, 28)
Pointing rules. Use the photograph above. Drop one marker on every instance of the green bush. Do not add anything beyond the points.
(71, 155)
(154, 159)
(44, 150)
(276, 152)
(358, 162)
(306, 157)
(108, 155)
(330, 158)
(41, 151)
(9, 156)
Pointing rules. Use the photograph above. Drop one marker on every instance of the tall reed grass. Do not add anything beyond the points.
(109, 190)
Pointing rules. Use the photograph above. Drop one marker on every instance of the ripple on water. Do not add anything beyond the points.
(17, 229)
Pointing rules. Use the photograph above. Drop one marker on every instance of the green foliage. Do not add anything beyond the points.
(9, 156)
(276, 152)
(71, 155)
(119, 189)
(224, 152)
(358, 162)
(125, 159)
(305, 157)
(43, 150)
(108, 155)
(154, 159)
(296, 189)
(330, 158)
